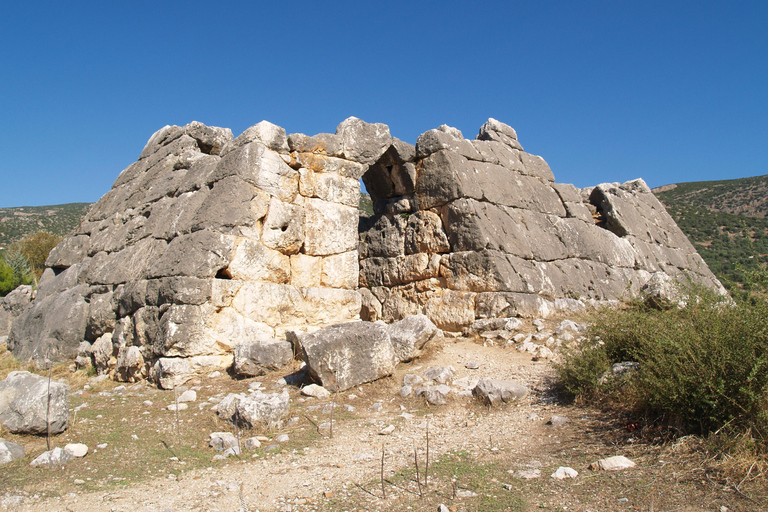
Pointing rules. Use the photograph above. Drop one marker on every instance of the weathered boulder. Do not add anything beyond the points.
(9, 452)
(495, 391)
(255, 409)
(410, 335)
(344, 355)
(31, 404)
(52, 459)
(12, 305)
(258, 357)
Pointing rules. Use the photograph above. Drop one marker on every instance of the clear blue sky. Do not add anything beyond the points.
(604, 91)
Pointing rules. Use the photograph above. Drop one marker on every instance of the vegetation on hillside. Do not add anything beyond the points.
(23, 261)
(15, 223)
(726, 221)
(701, 368)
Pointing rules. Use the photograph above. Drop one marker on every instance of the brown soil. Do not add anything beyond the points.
(472, 449)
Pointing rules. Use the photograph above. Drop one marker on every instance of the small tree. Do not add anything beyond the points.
(35, 248)
(14, 271)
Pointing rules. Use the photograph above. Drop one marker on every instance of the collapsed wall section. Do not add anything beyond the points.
(207, 241)
(470, 229)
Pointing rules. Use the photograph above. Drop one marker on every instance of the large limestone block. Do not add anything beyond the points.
(262, 168)
(451, 310)
(480, 271)
(321, 163)
(231, 203)
(507, 304)
(227, 327)
(271, 135)
(199, 254)
(398, 270)
(101, 315)
(410, 335)
(323, 306)
(424, 233)
(474, 225)
(268, 303)
(52, 329)
(445, 177)
(345, 355)
(340, 270)
(283, 227)
(322, 143)
(254, 410)
(257, 357)
(587, 241)
(363, 142)
(30, 403)
(12, 306)
(383, 236)
(330, 228)
(135, 262)
(306, 270)
(536, 166)
(329, 187)
(252, 261)
(444, 137)
(173, 216)
(503, 186)
(180, 290)
(130, 365)
(69, 251)
(171, 372)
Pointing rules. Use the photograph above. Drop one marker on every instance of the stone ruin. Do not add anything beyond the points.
(208, 241)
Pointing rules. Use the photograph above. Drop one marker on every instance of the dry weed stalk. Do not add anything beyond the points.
(416, 462)
(383, 491)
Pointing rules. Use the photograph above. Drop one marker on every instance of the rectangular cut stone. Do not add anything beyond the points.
(306, 270)
(398, 270)
(329, 187)
(251, 261)
(323, 306)
(330, 228)
(340, 270)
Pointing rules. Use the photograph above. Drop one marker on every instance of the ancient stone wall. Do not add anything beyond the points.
(468, 229)
(208, 241)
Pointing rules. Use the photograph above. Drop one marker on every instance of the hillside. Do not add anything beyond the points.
(726, 220)
(743, 196)
(23, 220)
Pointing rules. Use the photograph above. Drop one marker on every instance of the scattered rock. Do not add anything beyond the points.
(282, 438)
(179, 407)
(410, 335)
(439, 374)
(557, 421)
(346, 355)
(189, 395)
(387, 430)
(472, 365)
(251, 444)
(615, 463)
(255, 409)
(495, 391)
(435, 395)
(254, 358)
(222, 440)
(564, 472)
(315, 391)
(526, 474)
(24, 404)
(77, 449)
(10, 451)
(405, 391)
(53, 458)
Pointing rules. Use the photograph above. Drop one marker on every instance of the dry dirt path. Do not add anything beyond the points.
(344, 472)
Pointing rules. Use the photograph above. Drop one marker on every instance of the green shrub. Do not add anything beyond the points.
(701, 367)
(14, 271)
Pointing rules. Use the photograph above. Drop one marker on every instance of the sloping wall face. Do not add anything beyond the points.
(207, 241)
(468, 229)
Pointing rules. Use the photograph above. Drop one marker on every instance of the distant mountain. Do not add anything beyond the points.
(58, 219)
(726, 220)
